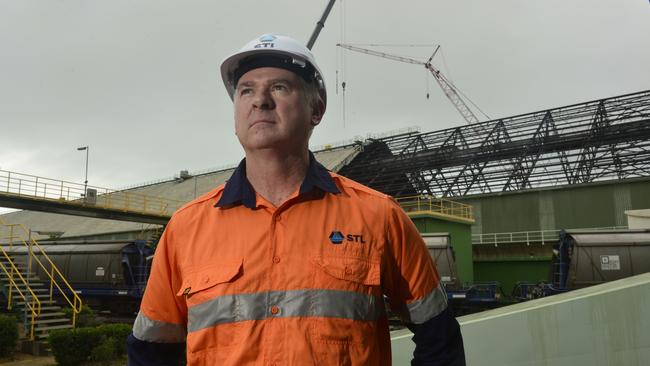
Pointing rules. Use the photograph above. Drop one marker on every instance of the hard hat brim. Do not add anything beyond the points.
(232, 62)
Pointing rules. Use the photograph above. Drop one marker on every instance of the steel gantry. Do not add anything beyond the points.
(599, 140)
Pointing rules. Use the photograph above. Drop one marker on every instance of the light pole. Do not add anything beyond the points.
(87, 148)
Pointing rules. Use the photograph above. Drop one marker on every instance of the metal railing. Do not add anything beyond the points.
(439, 206)
(542, 237)
(31, 301)
(25, 185)
(17, 233)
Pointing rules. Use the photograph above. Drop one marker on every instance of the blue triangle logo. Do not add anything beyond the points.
(336, 237)
(267, 38)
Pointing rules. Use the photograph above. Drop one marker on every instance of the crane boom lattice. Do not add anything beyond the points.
(447, 87)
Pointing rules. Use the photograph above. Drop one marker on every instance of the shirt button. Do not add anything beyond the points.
(206, 279)
(278, 218)
(275, 310)
(276, 259)
(348, 271)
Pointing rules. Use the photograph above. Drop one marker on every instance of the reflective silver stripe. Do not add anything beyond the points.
(295, 303)
(434, 303)
(150, 330)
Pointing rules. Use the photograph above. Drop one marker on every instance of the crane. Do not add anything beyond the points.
(320, 24)
(447, 87)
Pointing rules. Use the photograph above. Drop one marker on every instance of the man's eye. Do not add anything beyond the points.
(281, 87)
(245, 91)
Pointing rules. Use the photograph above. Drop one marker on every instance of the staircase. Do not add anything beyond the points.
(151, 234)
(31, 295)
(155, 236)
(51, 315)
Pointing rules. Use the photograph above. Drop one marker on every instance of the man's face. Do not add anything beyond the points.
(271, 111)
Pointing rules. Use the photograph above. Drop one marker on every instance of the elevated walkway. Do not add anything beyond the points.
(543, 237)
(29, 192)
(34, 193)
(607, 324)
(437, 207)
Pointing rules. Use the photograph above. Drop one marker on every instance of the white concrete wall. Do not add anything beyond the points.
(608, 324)
(638, 219)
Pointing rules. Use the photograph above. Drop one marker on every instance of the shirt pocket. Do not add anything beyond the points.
(360, 271)
(213, 318)
(349, 327)
(210, 281)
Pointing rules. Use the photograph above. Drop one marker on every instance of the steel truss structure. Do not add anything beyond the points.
(606, 139)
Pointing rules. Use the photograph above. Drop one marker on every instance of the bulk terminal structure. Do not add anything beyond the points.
(501, 194)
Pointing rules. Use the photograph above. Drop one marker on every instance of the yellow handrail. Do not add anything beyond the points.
(440, 206)
(53, 271)
(25, 185)
(36, 312)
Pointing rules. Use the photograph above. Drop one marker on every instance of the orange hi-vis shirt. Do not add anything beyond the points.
(301, 284)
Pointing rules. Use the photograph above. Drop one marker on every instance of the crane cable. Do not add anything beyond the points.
(426, 75)
(342, 59)
(392, 44)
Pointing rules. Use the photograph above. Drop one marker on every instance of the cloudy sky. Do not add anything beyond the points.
(138, 81)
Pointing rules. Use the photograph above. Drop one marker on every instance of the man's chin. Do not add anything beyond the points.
(266, 144)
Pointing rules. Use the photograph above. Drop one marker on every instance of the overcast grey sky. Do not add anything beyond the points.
(138, 81)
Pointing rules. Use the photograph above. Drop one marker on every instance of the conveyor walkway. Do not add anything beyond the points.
(30, 192)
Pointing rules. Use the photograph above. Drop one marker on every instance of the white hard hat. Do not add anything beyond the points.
(272, 50)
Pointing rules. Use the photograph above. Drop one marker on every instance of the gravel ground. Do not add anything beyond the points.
(21, 359)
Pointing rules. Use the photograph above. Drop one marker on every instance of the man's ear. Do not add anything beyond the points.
(317, 112)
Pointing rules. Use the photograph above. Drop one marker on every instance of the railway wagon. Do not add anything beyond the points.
(106, 275)
(439, 246)
(113, 275)
(465, 298)
(587, 258)
(583, 258)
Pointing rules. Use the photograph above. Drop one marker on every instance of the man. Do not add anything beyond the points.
(287, 263)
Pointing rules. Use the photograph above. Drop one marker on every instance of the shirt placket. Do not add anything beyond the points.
(276, 328)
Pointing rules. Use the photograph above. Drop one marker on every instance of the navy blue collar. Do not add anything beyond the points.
(238, 189)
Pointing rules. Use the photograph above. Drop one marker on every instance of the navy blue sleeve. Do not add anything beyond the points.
(438, 341)
(143, 353)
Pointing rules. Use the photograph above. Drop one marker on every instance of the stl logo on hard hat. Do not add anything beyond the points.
(267, 38)
(336, 237)
(266, 41)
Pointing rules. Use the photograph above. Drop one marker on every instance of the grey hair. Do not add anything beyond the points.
(311, 93)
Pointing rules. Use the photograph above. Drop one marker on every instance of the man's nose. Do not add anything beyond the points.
(263, 100)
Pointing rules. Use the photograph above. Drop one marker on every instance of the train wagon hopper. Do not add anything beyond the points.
(109, 275)
(439, 246)
(587, 258)
(583, 258)
(464, 297)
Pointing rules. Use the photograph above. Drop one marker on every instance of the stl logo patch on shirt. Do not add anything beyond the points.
(336, 237)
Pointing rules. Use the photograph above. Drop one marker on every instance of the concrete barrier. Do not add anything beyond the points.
(608, 324)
